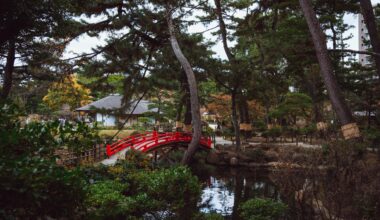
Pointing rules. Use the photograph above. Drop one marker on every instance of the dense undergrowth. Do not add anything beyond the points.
(33, 186)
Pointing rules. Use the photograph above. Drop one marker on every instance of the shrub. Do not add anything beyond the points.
(106, 200)
(256, 154)
(32, 185)
(262, 209)
(273, 133)
(210, 216)
(173, 190)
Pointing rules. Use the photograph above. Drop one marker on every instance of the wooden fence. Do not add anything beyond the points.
(67, 158)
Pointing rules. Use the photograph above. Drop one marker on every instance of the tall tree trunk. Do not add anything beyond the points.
(231, 58)
(188, 115)
(223, 30)
(370, 21)
(8, 70)
(178, 116)
(235, 121)
(196, 116)
(245, 122)
(349, 127)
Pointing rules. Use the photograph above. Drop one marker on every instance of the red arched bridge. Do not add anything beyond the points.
(152, 140)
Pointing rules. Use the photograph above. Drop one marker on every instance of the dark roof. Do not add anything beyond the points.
(114, 102)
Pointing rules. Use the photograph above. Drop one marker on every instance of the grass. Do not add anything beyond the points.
(111, 133)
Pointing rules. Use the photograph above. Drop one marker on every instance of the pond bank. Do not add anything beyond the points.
(263, 156)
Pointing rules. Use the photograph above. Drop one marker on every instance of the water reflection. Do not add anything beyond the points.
(226, 188)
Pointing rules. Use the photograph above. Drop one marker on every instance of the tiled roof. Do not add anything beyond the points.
(114, 103)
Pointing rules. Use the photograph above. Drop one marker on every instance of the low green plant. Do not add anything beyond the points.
(372, 135)
(106, 200)
(273, 133)
(262, 209)
(174, 190)
(32, 185)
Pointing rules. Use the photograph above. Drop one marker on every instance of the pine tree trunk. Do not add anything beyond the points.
(196, 116)
(244, 117)
(231, 58)
(8, 70)
(188, 115)
(370, 21)
(235, 121)
(334, 92)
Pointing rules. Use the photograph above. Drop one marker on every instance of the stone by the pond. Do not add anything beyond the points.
(234, 161)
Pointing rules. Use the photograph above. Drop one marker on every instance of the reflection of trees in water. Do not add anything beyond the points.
(242, 184)
(334, 194)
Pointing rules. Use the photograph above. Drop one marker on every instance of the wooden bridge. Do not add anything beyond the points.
(151, 141)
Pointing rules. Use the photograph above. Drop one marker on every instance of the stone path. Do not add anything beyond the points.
(112, 160)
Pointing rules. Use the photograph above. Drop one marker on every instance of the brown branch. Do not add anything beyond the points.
(223, 30)
(355, 51)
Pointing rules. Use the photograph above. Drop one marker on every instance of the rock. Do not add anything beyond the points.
(234, 161)
(258, 165)
(216, 158)
(271, 156)
(213, 158)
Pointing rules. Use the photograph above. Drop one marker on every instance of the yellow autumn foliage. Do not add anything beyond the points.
(67, 91)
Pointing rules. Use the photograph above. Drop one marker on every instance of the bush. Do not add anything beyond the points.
(210, 216)
(273, 133)
(168, 193)
(32, 185)
(262, 209)
(372, 135)
(106, 200)
(256, 154)
(174, 190)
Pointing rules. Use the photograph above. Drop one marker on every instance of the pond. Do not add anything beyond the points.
(225, 188)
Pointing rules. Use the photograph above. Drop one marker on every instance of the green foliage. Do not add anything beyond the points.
(165, 184)
(294, 105)
(135, 193)
(106, 200)
(372, 135)
(262, 209)
(77, 136)
(210, 216)
(32, 185)
(260, 125)
(273, 132)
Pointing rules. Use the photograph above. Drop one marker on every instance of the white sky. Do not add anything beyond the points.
(84, 43)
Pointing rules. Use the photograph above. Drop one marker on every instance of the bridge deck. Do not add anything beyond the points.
(149, 141)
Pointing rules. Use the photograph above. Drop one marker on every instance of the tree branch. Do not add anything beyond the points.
(354, 51)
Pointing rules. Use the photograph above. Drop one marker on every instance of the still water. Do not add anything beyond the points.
(225, 188)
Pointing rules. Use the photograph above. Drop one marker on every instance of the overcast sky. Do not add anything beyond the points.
(84, 43)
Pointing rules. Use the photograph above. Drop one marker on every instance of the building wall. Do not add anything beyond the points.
(112, 120)
(106, 120)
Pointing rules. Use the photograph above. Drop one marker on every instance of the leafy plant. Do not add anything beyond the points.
(262, 209)
(32, 185)
(106, 200)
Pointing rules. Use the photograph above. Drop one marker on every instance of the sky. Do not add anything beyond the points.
(84, 43)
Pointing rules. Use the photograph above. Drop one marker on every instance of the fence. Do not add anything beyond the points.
(67, 158)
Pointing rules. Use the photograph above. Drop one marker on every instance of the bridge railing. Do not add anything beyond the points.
(147, 140)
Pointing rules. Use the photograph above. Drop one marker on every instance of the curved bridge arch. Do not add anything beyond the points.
(152, 140)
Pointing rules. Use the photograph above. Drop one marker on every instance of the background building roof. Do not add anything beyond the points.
(114, 103)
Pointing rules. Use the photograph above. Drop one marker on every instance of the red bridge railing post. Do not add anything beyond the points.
(108, 150)
(155, 137)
